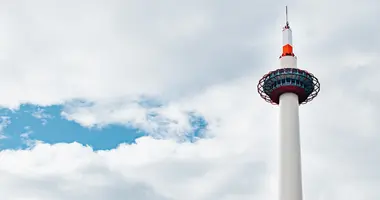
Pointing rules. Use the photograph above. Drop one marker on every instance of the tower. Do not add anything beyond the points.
(289, 87)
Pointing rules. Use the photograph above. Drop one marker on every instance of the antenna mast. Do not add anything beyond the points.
(286, 12)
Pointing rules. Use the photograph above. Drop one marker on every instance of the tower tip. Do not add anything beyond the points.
(286, 14)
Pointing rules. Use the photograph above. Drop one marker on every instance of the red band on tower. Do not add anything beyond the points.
(287, 50)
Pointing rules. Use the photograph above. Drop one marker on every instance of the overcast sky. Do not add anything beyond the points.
(152, 67)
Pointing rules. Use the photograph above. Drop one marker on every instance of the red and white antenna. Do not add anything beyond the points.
(287, 48)
(286, 13)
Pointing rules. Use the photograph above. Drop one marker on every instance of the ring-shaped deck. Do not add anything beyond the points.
(285, 80)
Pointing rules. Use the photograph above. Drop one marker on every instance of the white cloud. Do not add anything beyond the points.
(159, 168)
(42, 115)
(203, 57)
(109, 49)
(5, 121)
(25, 137)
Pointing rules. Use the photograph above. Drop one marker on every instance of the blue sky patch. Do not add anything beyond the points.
(30, 123)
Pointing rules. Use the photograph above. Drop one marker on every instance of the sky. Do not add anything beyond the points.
(143, 99)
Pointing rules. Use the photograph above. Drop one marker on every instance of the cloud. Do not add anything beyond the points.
(5, 121)
(107, 49)
(25, 137)
(42, 115)
(103, 174)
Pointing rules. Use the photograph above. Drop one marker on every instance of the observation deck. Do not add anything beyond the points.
(288, 80)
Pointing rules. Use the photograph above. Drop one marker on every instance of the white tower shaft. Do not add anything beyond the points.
(290, 152)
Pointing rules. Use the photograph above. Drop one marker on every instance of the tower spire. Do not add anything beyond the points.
(286, 14)
(287, 48)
